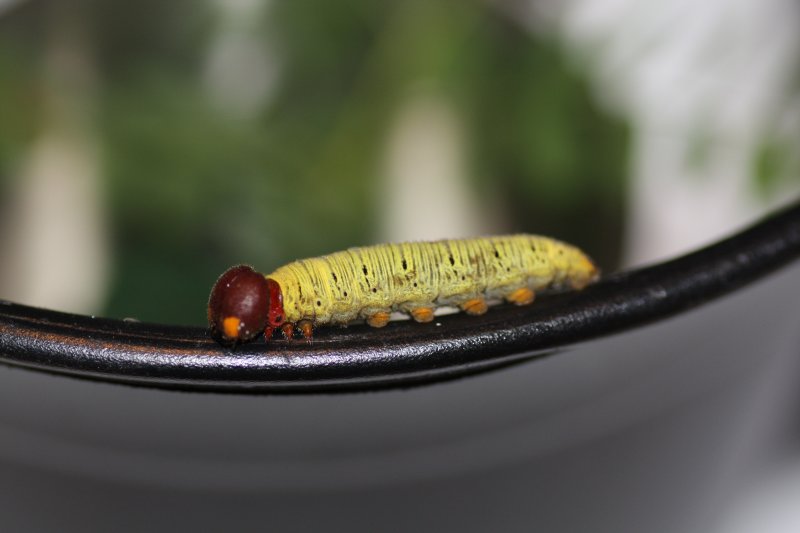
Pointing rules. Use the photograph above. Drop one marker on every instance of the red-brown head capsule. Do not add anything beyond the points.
(239, 305)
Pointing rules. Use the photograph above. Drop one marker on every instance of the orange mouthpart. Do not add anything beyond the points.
(230, 327)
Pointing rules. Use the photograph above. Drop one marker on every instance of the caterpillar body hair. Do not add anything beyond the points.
(371, 282)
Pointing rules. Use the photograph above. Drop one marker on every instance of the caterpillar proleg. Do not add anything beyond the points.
(369, 283)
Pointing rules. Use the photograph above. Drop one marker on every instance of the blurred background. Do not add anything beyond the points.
(147, 146)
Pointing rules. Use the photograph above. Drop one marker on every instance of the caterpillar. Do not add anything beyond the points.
(369, 283)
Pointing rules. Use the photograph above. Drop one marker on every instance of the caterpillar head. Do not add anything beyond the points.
(243, 303)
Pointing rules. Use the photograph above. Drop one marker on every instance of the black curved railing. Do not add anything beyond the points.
(403, 353)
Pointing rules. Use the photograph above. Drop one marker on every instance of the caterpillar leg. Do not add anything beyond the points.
(288, 330)
(307, 328)
(475, 306)
(379, 319)
(521, 296)
(422, 314)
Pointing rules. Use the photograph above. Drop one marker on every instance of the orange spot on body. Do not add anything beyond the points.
(476, 306)
(307, 328)
(422, 314)
(521, 296)
(230, 327)
(379, 319)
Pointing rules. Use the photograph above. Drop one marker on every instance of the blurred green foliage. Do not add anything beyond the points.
(774, 163)
(193, 189)
(20, 100)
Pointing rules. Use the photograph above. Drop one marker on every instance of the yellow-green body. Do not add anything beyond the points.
(359, 282)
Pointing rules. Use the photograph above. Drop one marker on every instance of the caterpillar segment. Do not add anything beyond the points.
(369, 283)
